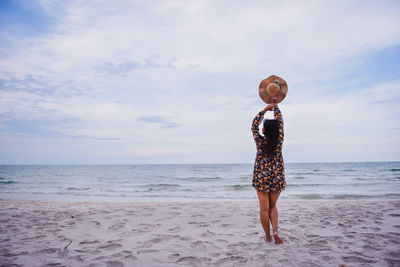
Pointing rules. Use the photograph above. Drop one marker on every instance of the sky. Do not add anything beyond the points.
(143, 82)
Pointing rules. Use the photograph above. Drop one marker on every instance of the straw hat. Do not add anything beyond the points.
(271, 87)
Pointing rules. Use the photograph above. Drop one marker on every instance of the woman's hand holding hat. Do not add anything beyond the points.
(270, 107)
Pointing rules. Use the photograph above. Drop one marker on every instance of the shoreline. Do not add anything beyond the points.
(211, 202)
(315, 233)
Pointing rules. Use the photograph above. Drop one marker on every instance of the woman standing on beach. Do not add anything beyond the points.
(269, 174)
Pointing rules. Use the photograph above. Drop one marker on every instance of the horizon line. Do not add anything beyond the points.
(121, 164)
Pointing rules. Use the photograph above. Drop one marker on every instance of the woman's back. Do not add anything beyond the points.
(269, 174)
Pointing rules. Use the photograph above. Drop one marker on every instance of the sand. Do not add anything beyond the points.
(315, 233)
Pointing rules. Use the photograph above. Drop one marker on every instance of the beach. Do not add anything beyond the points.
(315, 233)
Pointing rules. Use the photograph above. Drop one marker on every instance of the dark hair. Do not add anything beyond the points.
(271, 136)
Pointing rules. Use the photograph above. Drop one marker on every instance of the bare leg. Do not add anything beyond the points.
(263, 198)
(273, 215)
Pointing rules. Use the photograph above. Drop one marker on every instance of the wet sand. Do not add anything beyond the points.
(315, 233)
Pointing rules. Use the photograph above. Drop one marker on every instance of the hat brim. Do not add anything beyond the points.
(267, 98)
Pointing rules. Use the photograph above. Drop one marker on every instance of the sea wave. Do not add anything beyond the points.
(199, 179)
(335, 196)
(161, 185)
(78, 189)
(240, 187)
(310, 196)
(350, 196)
(8, 182)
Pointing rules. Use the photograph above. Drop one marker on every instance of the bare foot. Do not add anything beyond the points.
(268, 238)
(277, 239)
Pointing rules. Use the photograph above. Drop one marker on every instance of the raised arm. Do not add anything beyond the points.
(258, 119)
(278, 114)
(256, 122)
(278, 117)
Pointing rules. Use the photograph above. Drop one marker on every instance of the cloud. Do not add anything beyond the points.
(151, 119)
(105, 69)
(119, 68)
(159, 120)
(123, 67)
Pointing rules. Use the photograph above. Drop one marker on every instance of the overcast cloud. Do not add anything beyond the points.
(177, 81)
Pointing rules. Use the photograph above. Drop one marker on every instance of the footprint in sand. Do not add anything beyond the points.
(9, 254)
(334, 238)
(372, 248)
(208, 234)
(46, 251)
(110, 245)
(34, 237)
(149, 225)
(147, 251)
(76, 258)
(174, 256)
(131, 213)
(317, 247)
(186, 238)
(357, 259)
(189, 260)
(114, 264)
(124, 254)
(200, 224)
(151, 242)
(395, 241)
(117, 226)
(89, 242)
(321, 242)
(203, 225)
(327, 258)
(168, 237)
(96, 223)
(149, 209)
(198, 245)
(175, 229)
(222, 240)
(234, 260)
(252, 233)
(165, 218)
(106, 212)
(130, 257)
(215, 254)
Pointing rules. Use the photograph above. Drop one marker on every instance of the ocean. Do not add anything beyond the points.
(195, 182)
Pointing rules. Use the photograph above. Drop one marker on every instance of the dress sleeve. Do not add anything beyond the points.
(278, 117)
(254, 127)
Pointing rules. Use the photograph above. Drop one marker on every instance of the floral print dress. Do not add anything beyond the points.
(269, 173)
